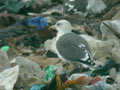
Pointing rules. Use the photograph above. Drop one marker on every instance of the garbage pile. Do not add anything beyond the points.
(28, 55)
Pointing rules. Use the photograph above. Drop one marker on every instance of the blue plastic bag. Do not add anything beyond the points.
(38, 22)
(37, 87)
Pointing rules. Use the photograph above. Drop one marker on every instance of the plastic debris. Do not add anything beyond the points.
(110, 80)
(37, 87)
(9, 77)
(49, 72)
(104, 70)
(112, 26)
(4, 48)
(38, 22)
(113, 73)
(95, 80)
(78, 79)
(75, 76)
(96, 6)
(15, 6)
(57, 79)
(99, 86)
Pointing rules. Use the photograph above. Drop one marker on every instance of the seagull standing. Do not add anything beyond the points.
(70, 46)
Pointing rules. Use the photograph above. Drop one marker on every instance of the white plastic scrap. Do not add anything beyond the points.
(76, 75)
(96, 6)
(9, 77)
(113, 24)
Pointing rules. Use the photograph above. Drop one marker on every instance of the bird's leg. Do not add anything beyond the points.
(78, 66)
(66, 65)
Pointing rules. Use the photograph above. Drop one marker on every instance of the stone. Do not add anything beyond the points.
(28, 70)
(4, 61)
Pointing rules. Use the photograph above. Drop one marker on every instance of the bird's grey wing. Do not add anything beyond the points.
(74, 48)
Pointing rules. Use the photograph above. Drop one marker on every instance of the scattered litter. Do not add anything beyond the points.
(99, 86)
(96, 6)
(104, 70)
(4, 48)
(9, 77)
(78, 79)
(57, 79)
(36, 87)
(49, 72)
(31, 46)
(95, 80)
(110, 80)
(109, 27)
(38, 22)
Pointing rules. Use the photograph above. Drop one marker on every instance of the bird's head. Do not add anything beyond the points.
(63, 26)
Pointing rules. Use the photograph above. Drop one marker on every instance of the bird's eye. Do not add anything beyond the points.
(58, 24)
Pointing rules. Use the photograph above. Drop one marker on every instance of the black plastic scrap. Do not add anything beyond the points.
(52, 85)
(104, 70)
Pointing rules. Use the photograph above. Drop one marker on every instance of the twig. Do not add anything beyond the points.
(117, 34)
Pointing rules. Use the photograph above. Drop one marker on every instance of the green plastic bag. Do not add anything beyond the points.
(49, 72)
(4, 48)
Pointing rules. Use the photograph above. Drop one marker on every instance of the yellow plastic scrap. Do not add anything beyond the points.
(103, 38)
(60, 86)
(59, 83)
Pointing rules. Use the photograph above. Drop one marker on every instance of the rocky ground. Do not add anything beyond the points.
(28, 58)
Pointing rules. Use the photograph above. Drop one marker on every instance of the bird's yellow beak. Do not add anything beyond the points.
(51, 27)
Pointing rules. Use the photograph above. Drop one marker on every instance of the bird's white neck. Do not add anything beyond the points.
(59, 34)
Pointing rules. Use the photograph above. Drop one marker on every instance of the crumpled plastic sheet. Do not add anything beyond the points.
(36, 87)
(9, 77)
(100, 86)
(39, 22)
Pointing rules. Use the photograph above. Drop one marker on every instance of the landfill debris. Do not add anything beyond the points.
(14, 6)
(23, 6)
(8, 77)
(99, 86)
(50, 54)
(6, 19)
(29, 40)
(36, 87)
(95, 80)
(4, 61)
(113, 73)
(53, 84)
(49, 72)
(116, 16)
(110, 80)
(38, 22)
(43, 61)
(96, 6)
(4, 48)
(114, 28)
(74, 6)
(26, 41)
(75, 76)
(104, 70)
(28, 70)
